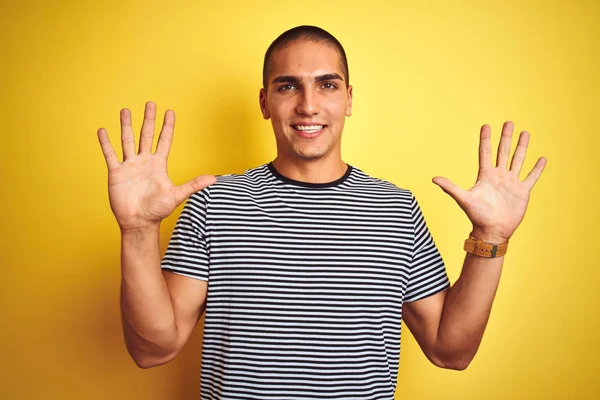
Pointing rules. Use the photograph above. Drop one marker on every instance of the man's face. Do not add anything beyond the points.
(307, 100)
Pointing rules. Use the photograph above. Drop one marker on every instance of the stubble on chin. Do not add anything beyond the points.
(306, 149)
(309, 152)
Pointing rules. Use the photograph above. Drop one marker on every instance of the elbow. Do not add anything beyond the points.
(456, 364)
(146, 355)
(145, 360)
(456, 361)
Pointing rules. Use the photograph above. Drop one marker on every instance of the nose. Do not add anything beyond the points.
(308, 103)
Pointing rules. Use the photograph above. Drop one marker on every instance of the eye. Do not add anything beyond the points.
(328, 85)
(286, 88)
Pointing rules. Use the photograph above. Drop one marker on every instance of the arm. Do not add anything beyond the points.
(449, 326)
(159, 308)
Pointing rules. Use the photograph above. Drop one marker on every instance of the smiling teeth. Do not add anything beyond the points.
(308, 128)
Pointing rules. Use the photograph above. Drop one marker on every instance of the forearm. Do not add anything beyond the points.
(467, 309)
(147, 310)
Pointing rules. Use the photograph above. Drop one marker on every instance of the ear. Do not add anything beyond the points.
(349, 105)
(262, 100)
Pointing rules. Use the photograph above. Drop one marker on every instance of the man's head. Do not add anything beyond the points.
(304, 33)
(306, 95)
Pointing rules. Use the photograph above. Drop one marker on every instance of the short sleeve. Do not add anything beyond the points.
(427, 270)
(188, 250)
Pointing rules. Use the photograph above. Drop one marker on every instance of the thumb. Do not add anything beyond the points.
(458, 194)
(182, 192)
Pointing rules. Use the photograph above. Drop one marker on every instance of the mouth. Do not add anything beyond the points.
(308, 131)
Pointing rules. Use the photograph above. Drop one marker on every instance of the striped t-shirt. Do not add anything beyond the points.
(306, 283)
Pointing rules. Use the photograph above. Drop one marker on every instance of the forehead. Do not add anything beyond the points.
(305, 58)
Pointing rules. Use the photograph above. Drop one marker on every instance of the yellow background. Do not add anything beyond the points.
(426, 77)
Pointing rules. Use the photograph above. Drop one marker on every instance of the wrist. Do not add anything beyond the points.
(488, 236)
(139, 246)
(484, 248)
(140, 231)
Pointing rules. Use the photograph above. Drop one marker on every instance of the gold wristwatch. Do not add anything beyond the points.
(485, 249)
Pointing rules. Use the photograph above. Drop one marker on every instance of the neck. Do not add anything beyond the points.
(311, 171)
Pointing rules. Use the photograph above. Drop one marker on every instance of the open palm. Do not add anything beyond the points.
(496, 204)
(140, 191)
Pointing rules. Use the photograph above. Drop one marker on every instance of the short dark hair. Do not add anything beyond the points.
(307, 33)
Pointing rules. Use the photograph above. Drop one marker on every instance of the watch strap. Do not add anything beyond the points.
(485, 249)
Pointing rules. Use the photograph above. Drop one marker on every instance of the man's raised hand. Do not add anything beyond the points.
(140, 192)
(496, 204)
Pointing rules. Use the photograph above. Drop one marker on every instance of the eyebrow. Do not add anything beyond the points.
(328, 77)
(297, 80)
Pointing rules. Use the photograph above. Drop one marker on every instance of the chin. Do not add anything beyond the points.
(311, 155)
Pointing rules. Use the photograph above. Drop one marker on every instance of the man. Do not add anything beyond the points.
(312, 264)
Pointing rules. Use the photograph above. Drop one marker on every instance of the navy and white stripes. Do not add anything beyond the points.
(306, 283)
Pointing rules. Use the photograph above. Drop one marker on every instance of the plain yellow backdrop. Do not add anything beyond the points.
(426, 76)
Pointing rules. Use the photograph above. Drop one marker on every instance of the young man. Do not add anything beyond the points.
(312, 264)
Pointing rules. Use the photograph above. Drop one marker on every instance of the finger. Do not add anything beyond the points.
(535, 173)
(195, 185)
(127, 139)
(520, 152)
(457, 193)
(147, 133)
(112, 162)
(166, 134)
(485, 147)
(504, 146)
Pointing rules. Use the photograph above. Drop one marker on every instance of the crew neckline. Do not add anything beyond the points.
(290, 181)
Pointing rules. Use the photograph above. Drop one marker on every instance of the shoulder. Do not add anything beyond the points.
(365, 183)
(236, 184)
(249, 182)
(252, 177)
